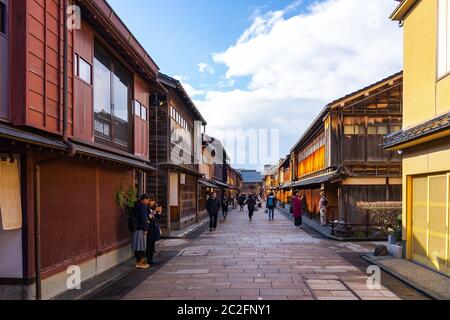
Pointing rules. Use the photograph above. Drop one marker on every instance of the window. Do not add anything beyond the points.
(2, 17)
(378, 130)
(83, 69)
(137, 109)
(111, 99)
(443, 38)
(354, 130)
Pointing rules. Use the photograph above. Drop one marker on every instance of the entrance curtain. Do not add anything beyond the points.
(10, 203)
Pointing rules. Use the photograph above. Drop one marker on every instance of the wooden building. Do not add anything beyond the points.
(341, 153)
(425, 138)
(175, 127)
(269, 179)
(284, 190)
(252, 182)
(73, 132)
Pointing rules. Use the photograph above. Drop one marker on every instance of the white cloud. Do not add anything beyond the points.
(204, 67)
(298, 64)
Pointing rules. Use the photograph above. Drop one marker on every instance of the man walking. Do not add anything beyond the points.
(251, 204)
(270, 205)
(213, 207)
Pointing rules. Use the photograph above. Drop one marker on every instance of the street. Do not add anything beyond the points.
(260, 260)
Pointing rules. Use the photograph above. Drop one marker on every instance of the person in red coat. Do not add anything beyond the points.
(297, 209)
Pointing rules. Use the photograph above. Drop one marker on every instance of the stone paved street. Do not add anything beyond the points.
(265, 260)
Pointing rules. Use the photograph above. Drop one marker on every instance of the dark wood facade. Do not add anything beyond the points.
(176, 123)
(49, 126)
(341, 153)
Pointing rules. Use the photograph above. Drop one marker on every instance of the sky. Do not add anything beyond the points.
(267, 64)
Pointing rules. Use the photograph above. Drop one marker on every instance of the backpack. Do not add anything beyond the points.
(132, 222)
(270, 202)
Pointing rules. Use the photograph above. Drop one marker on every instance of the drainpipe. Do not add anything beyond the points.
(37, 166)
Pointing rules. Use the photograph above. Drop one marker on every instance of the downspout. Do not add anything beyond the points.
(69, 152)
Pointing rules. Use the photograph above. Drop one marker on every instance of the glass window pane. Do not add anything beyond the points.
(137, 109)
(144, 113)
(120, 117)
(349, 130)
(2, 18)
(102, 93)
(84, 70)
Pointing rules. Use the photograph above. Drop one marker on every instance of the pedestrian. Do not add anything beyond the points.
(234, 201)
(242, 199)
(297, 210)
(271, 205)
(140, 212)
(323, 207)
(213, 207)
(154, 231)
(225, 204)
(251, 205)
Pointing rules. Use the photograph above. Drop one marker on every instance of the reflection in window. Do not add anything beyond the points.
(111, 99)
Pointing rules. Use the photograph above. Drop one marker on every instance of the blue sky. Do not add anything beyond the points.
(270, 65)
(179, 34)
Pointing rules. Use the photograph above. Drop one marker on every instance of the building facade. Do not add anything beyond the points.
(73, 132)
(425, 138)
(341, 154)
(177, 126)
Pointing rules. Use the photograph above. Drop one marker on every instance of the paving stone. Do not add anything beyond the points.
(263, 261)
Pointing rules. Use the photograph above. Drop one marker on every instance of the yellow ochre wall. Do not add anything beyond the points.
(425, 96)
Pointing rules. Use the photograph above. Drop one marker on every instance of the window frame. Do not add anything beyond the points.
(113, 61)
(77, 69)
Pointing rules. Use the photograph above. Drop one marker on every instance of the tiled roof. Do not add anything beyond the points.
(428, 128)
(249, 176)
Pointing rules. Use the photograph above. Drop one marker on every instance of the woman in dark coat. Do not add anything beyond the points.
(297, 210)
(154, 231)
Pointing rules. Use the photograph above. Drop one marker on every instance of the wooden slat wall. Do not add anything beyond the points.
(80, 217)
(84, 96)
(44, 67)
(159, 136)
(141, 127)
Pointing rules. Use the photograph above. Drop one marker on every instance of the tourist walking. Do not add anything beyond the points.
(241, 202)
(213, 206)
(139, 244)
(296, 207)
(225, 204)
(251, 205)
(323, 207)
(271, 205)
(154, 231)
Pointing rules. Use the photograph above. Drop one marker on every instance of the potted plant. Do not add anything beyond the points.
(395, 233)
